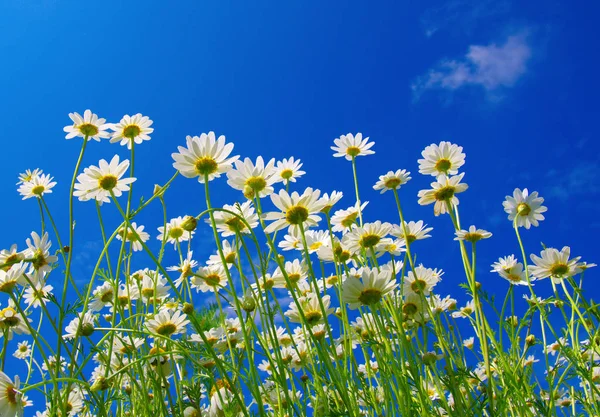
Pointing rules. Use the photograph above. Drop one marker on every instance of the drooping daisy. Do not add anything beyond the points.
(38, 250)
(253, 179)
(311, 309)
(514, 274)
(37, 294)
(23, 350)
(350, 146)
(135, 236)
(229, 224)
(294, 210)
(80, 326)
(369, 290)
(442, 192)
(175, 232)
(12, 401)
(444, 158)
(411, 231)
(422, 280)
(204, 156)
(289, 169)
(392, 180)
(465, 311)
(554, 264)
(368, 237)
(13, 276)
(131, 129)
(184, 268)
(166, 324)
(343, 220)
(526, 208)
(210, 278)
(89, 126)
(37, 187)
(29, 175)
(472, 235)
(97, 182)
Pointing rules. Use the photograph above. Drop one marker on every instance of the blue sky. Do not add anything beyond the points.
(514, 83)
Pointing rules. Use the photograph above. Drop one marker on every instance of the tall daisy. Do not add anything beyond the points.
(175, 232)
(37, 187)
(515, 274)
(210, 278)
(235, 219)
(554, 264)
(526, 208)
(294, 210)
(135, 236)
(29, 175)
(90, 126)
(443, 192)
(392, 180)
(343, 220)
(12, 401)
(38, 250)
(350, 146)
(411, 231)
(98, 182)
(204, 156)
(184, 268)
(253, 179)
(422, 280)
(368, 237)
(166, 323)
(444, 158)
(131, 129)
(311, 309)
(472, 235)
(289, 169)
(369, 290)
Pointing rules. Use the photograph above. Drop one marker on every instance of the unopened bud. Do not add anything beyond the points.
(188, 308)
(189, 223)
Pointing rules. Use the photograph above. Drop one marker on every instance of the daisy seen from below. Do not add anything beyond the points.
(99, 182)
(184, 268)
(204, 157)
(12, 401)
(135, 236)
(38, 250)
(311, 309)
(295, 210)
(524, 209)
(132, 129)
(443, 193)
(175, 231)
(166, 323)
(368, 237)
(411, 231)
(80, 326)
(350, 146)
(37, 186)
(343, 220)
(422, 280)
(11, 321)
(289, 169)
(29, 175)
(210, 278)
(392, 180)
(472, 235)
(515, 274)
(444, 158)
(23, 350)
(254, 180)
(90, 126)
(554, 264)
(13, 276)
(368, 290)
(329, 200)
(234, 219)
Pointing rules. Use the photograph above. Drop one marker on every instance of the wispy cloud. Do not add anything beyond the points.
(581, 179)
(490, 67)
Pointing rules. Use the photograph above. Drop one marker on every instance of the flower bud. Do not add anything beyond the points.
(189, 223)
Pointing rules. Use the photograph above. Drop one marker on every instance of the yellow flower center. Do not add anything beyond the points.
(523, 209)
(350, 219)
(131, 131)
(88, 129)
(409, 308)
(559, 269)
(235, 224)
(11, 395)
(166, 329)
(313, 317)
(286, 174)
(444, 193)
(370, 296)
(353, 151)
(107, 182)
(443, 165)
(418, 285)
(212, 280)
(392, 183)
(38, 190)
(206, 166)
(369, 240)
(256, 183)
(296, 215)
(175, 232)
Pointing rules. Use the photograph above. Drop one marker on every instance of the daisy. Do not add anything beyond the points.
(296, 272)
(311, 309)
(154, 288)
(12, 321)
(80, 326)
(89, 126)
(12, 401)
(23, 350)
(343, 220)
(98, 182)
(368, 237)
(229, 254)
(349, 146)
(369, 290)
(526, 208)
(253, 179)
(166, 324)
(291, 241)
(103, 295)
(294, 210)
(504, 263)
(514, 274)
(444, 158)
(411, 231)
(37, 294)
(422, 280)
(414, 306)
(393, 247)
(316, 239)
(13, 276)
(204, 156)
(29, 175)
(229, 224)
(465, 311)
(329, 201)
(210, 278)
(184, 268)
(37, 187)
(131, 129)
(289, 169)
(135, 236)
(443, 192)
(175, 232)
(55, 364)
(472, 235)
(392, 180)
(38, 251)
(555, 264)
(341, 252)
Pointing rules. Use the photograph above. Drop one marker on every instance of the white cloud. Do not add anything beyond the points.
(491, 67)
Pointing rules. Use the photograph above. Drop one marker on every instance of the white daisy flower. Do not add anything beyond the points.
(14, 275)
(289, 169)
(184, 268)
(135, 237)
(329, 200)
(11, 321)
(80, 326)
(341, 252)
(393, 247)
(349, 146)
(311, 309)
(443, 191)
(154, 287)
(97, 182)
(12, 401)
(29, 175)
(175, 232)
(368, 237)
(504, 263)
(294, 210)
(37, 294)
(291, 241)
(166, 324)
(514, 274)
(422, 280)
(472, 235)
(296, 272)
(526, 208)
(253, 179)
(204, 156)
(369, 290)
(444, 158)
(38, 251)
(229, 253)
(131, 129)
(54, 364)
(465, 311)
(23, 350)
(414, 231)
(37, 187)
(555, 264)
(229, 224)
(89, 126)
(210, 278)
(317, 238)
(392, 180)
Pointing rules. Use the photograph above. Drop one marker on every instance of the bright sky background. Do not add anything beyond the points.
(514, 83)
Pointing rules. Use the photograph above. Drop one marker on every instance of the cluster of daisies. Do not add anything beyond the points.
(313, 307)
